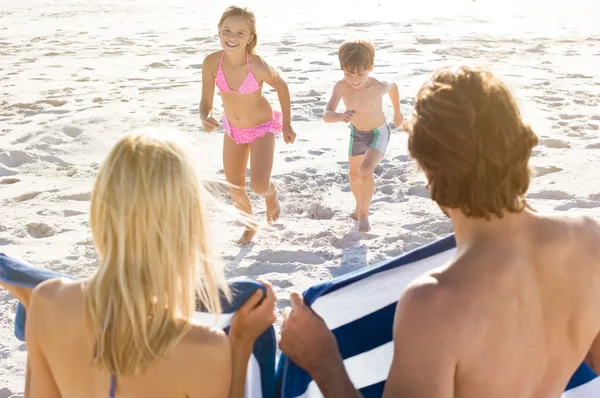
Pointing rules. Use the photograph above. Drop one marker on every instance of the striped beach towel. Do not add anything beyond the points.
(352, 304)
(260, 380)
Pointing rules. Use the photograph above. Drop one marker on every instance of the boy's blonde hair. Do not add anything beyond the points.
(356, 56)
(149, 227)
(249, 18)
(466, 132)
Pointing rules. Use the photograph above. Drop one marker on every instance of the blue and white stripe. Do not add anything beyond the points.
(352, 304)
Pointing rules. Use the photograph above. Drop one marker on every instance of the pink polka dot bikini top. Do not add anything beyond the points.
(249, 85)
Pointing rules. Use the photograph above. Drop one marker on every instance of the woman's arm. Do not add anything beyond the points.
(41, 382)
(248, 323)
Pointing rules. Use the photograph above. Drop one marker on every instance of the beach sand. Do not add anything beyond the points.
(76, 76)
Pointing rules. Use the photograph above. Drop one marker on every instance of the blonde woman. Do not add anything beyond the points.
(127, 330)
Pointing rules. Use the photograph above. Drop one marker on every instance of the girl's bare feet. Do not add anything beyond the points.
(354, 215)
(246, 236)
(273, 206)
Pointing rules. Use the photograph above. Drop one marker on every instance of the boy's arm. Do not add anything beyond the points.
(394, 93)
(330, 115)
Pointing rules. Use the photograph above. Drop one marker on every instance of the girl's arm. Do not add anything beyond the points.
(208, 93)
(270, 76)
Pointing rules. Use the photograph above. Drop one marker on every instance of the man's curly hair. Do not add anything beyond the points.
(467, 134)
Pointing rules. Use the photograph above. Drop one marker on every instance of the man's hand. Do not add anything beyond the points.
(209, 124)
(289, 136)
(306, 340)
(347, 116)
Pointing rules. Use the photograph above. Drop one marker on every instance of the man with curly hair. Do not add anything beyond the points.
(515, 312)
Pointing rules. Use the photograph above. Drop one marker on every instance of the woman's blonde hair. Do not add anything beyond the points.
(149, 227)
(249, 18)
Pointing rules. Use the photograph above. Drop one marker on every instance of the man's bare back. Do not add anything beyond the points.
(511, 313)
(516, 311)
(199, 365)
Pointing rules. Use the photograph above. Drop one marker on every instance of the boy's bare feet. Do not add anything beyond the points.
(363, 224)
(273, 206)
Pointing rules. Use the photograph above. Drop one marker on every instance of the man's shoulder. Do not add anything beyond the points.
(431, 309)
(579, 231)
(431, 298)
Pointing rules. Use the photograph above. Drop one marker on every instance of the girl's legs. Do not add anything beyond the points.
(235, 161)
(261, 164)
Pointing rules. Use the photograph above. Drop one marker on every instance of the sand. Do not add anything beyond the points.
(75, 77)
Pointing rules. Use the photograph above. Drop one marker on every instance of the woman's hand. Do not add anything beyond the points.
(254, 317)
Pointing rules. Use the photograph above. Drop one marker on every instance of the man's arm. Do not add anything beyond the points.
(423, 365)
(307, 341)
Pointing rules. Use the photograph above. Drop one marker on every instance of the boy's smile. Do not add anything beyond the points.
(357, 80)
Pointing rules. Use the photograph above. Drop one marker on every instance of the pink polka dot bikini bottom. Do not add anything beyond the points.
(246, 136)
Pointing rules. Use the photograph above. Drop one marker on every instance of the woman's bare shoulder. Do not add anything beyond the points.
(58, 289)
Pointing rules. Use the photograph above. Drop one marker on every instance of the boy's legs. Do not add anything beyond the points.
(355, 162)
(367, 186)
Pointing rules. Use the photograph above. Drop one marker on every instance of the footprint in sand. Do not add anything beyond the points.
(27, 196)
(418, 190)
(293, 158)
(318, 152)
(387, 189)
(426, 40)
(551, 195)
(542, 171)
(16, 158)
(80, 197)
(578, 204)
(316, 211)
(9, 181)
(540, 48)
(555, 144)
(593, 146)
(55, 103)
(40, 230)
(72, 131)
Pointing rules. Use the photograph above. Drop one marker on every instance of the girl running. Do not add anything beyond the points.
(249, 121)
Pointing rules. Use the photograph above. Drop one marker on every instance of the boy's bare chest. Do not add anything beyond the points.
(362, 101)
